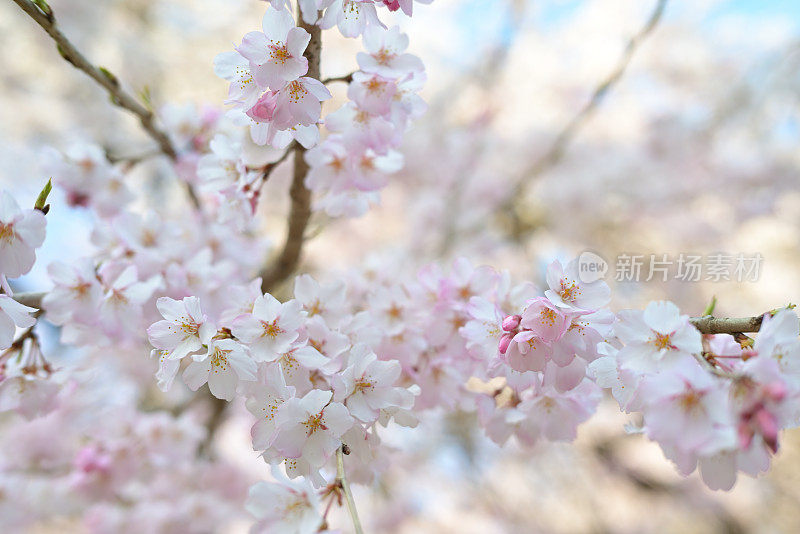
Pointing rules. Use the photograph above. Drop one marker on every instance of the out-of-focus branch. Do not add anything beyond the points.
(683, 491)
(727, 325)
(300, 211)
(42, 14)
(571, 128)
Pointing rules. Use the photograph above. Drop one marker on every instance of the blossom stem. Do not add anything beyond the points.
(104, 78)
(342, 479)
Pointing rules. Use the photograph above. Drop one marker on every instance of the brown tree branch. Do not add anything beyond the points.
(347, 78)
(300, 211)
(42, 14)
(727, 325)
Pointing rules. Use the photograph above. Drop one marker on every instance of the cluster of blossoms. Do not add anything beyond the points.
(108, 299)
(709, 401)
(305, 374)
(351, 165)
(445, 329)
(321, 372)
(88, 178)
(269, 92)
(22, 231)
(321, 369)
(128, 470)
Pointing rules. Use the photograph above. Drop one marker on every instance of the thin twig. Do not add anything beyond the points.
(342, 479)
(567, 134)
(105, 79)
(347, 78)
(300, 211)
(269, 167)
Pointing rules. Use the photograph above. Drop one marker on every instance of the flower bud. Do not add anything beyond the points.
(505, 341)
(511, 323)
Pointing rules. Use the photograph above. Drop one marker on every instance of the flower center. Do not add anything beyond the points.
(7, 232)
(272, 329)
(296, 91)
(363, 383)
(219, 358)
(314, 423)
(375, 85)
(569, 290)
(279, 54)
(548, 317)
(662, 341)
(384, 56)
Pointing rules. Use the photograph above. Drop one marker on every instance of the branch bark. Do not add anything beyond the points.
(105, 79)
(300, 211)
(727, 325)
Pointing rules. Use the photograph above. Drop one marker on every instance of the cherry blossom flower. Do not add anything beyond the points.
(367, 386)
(223, 366)
(77, 292)
(21, 233)
(658, 336)
(244, 92)
(568, 291)
(311, 427)
(688, 408)
(276, 55)
(270, 329)
(184, 329)
(13, 315)
(385, 53)
(286, 506)
(351, 16)
(299, 102)
(264, 397)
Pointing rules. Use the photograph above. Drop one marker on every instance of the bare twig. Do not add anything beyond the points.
(342, 479)
(269, 167)
(347, 78)
(43, 16)
(300, 211)
(567, 134)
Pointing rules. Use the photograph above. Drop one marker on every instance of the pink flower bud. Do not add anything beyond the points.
(769, 428)
(511, 323)
(776, 390)
(745, 434)
(264, 109)
(505, 341)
